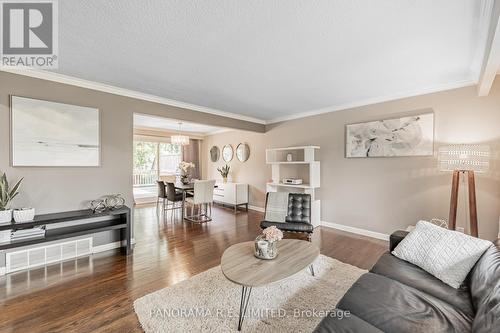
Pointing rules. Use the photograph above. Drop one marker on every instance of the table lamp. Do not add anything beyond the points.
(464, 159)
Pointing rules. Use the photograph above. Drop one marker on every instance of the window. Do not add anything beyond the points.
(145, 163)
(145, 156)
(170, 157)
(153, 159)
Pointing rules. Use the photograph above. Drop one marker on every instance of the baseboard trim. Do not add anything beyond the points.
(109, 246)
(143, 201)
(355, 230)
(257, 208)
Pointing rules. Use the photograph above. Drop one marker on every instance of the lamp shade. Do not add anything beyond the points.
(464, 158)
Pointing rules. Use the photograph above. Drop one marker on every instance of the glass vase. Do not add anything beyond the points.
(184, 179)
(265, 249)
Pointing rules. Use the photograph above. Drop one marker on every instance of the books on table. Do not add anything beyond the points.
(22, 234)
(5, 235)
(28, 233)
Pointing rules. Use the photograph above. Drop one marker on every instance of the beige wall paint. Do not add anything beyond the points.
(61, 189)
(253, 172)
(382, 194)
(375, 194)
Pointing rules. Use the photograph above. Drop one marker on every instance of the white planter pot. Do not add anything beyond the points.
(24, 215)
(6, 216)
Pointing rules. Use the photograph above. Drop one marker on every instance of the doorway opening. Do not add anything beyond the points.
(155, 157)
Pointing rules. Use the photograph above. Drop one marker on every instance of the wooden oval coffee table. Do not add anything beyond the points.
(240, 266)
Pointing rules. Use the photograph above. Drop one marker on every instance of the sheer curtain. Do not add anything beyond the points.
(191, 153)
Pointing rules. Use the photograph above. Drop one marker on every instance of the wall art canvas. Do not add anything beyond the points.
(47, 133)
(407, 136)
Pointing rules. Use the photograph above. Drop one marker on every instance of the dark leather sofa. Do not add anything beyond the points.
(396, 296)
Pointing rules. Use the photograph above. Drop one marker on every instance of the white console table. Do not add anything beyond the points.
(233, 194)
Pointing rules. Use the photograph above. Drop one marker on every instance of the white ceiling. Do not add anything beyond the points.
(147, 121)
(273, 59)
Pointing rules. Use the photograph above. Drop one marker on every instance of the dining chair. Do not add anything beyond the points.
(162, 194)
(203, 196)
(174, 197)
(168, 194)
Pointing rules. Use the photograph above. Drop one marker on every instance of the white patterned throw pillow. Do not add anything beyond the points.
(446, 254)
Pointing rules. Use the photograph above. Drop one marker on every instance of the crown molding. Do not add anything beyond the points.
(376, 100)
(490, 63)
(60, 78)
(484, 23)
(65, 79)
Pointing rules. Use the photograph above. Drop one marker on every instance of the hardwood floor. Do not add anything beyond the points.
(96, 294)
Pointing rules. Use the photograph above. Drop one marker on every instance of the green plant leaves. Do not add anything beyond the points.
(14, 191)
(7, 194)
(224, 171)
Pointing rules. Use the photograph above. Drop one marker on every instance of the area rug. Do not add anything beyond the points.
(208, 302)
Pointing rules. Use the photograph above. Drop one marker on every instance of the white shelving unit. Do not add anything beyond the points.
(303, 165)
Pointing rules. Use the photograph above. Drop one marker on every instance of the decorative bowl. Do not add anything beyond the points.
(24, 215)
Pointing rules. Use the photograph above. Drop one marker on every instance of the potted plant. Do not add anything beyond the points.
(224, 171)
(6, 196)
(184, 168)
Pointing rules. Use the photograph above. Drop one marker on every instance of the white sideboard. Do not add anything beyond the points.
(233, 194)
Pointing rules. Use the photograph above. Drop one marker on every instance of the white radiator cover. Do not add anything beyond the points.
(43, 255)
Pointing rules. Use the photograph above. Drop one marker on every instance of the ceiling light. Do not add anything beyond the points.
(179, 139)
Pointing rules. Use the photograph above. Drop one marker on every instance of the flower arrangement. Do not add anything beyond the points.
(266, 244)
(185, 166)
(272, 234)
(184, 169)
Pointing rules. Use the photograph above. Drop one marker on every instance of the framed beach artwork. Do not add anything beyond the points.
(50, 134)
(406, 136)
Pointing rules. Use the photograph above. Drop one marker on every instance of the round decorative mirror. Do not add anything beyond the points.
(227, 153)
(214, 153)
(243, 152)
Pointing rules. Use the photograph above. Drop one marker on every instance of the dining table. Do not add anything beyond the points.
(185, 188)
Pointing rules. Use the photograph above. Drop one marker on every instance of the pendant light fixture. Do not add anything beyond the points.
(179, 139)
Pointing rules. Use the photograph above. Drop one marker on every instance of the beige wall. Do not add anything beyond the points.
(382, 194)
(60, 189)
(375, 194)
(254, 171)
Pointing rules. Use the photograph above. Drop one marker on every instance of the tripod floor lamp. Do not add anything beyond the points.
(466, 160)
